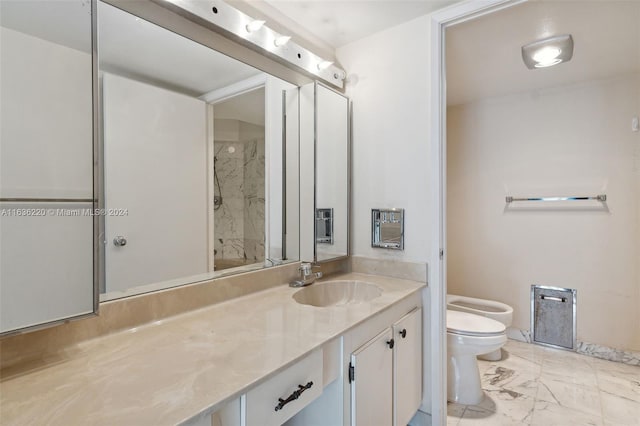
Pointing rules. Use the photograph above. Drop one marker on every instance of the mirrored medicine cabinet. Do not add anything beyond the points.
(325, 147)
(134, 159)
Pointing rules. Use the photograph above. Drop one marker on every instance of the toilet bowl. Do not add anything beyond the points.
(487, 308)
(468, 336)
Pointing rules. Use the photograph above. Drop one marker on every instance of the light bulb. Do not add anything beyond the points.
(281, 41)
(254, 25)
(547, 56)
(324, 65)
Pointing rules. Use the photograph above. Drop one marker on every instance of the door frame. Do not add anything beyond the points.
(440, 21)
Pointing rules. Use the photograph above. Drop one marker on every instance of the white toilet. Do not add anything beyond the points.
(468, 336)
(487, 308)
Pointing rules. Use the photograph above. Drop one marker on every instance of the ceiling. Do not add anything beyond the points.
(135, 47)
(484, 58)
(128, 45)
(340, 22)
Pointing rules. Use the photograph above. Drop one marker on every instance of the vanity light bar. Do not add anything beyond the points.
(228, 20)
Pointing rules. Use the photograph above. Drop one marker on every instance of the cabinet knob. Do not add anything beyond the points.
(403, 333)
(391, 343)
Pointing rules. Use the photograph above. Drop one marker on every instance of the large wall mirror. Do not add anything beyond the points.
(193, 166)
(192, 155)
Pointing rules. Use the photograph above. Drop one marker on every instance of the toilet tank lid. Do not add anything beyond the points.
(464, 322)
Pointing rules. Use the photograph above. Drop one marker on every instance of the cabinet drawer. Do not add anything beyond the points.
(261, 401)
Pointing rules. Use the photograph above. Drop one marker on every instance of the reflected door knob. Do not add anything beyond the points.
(119, 241)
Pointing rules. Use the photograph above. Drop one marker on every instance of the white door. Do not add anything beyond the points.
(371, 388)
(155, 144)
(407, 367)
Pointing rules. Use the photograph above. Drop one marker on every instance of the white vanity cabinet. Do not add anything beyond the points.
(386, 375)
(369, 376)
(282, 396)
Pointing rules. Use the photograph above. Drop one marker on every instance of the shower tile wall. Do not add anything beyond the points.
(239, 222)
(254, 200)
(229, 219)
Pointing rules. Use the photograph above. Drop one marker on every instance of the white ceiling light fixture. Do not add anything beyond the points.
(281, 41)
(254, 25)
(548, 52)
(253, 33)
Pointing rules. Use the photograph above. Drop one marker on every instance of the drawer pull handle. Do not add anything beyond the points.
(295, 395)
(403, 333)
(391, 343)
(555, 299)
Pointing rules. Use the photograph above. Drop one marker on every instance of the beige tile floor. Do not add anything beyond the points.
(535, 385)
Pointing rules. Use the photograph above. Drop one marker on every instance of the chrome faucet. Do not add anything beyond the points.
(307, 276)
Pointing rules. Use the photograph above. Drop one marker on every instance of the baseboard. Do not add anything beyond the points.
(610, 354)
(590, 349)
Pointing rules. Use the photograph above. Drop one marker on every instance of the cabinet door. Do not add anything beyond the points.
(407, 367)
(371, 388)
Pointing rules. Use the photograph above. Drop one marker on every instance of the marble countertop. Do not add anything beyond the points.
(169, 371)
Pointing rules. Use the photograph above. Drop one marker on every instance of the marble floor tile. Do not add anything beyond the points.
(475, 415)
(513, 374)
(619, 384)
(576, 373)
(510, 404)
(616, 368)
(454, 413)
(527, 351)
(520, 363)
(620, 411)
(538, 385)
(550, 414)
(566, 394)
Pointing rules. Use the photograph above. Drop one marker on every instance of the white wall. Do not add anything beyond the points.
(389, 77)
(569, 140)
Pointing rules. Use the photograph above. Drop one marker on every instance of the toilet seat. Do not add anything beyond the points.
(466, 324)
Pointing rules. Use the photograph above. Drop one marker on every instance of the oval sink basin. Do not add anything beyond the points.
(337, 293)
